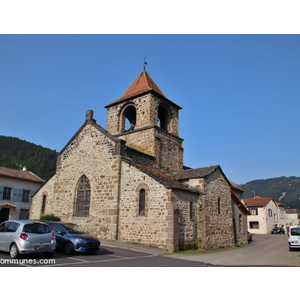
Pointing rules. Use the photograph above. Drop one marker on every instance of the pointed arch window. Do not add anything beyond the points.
(83, 198)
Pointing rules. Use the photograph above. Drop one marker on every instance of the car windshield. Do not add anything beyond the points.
(295, 231)
(73, 228)
(36, 228)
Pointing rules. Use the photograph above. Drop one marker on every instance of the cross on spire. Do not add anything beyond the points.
(145, 63)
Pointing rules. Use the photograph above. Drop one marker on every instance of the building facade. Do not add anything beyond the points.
(292, 218)
(128, 182)
(265, 214)
(16, 190)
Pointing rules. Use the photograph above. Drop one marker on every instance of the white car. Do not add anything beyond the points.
(24, 237)
(294, 237)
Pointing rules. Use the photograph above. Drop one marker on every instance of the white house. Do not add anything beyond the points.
(281, 216)
(16, 190)
(264, 214)
(292, 217)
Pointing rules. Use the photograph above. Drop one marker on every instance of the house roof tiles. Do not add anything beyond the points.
(257, 201)
(20, 174)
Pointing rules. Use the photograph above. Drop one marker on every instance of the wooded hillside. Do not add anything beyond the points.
(285, 190)
(16, 153)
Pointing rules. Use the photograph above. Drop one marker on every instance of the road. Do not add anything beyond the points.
(264, 250)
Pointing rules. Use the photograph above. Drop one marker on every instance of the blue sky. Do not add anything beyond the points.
(239, 93)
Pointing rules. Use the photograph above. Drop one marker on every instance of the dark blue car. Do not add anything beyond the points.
(73, 238)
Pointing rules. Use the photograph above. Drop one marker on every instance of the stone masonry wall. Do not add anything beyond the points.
(90, 153)
(142, 140)
(115, 119)
(36, 207)
(240, 224)
(169, 151)
(217, 228)
(187, 218)
(155, 227)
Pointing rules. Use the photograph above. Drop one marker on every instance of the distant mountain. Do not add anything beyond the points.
(285, 190)
(16, 153)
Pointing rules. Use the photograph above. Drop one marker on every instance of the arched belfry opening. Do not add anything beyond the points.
(129, 118)
(163, 117)
(148, 122)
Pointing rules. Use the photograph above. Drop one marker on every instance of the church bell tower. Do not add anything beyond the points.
(148, 122)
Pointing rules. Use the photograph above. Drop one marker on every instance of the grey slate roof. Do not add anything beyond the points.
(162, 176)
(195, 173)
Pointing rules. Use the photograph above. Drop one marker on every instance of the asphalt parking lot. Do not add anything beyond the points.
(264, 250)
(106, 257)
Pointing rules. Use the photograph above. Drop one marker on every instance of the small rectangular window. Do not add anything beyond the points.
(254, 225)
(253, 211)
(219, 206)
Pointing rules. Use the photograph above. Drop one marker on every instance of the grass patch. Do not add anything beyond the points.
(203, 251)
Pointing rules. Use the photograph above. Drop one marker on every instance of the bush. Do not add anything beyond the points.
(48, 218)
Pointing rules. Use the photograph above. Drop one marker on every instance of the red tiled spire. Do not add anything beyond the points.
(143, 83)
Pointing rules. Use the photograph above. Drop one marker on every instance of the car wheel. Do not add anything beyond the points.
(14, 252)
(68, 248)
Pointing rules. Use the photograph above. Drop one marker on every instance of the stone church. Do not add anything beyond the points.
(128, 182)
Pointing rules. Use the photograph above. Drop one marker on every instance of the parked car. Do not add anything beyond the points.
(294, 237)
(24, 237)
(73, 238)
(278, 230)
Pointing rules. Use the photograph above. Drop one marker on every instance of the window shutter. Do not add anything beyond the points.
(1, 192)
(17, 194)
(31, 194)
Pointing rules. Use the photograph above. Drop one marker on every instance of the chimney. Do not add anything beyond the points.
(24, 168)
